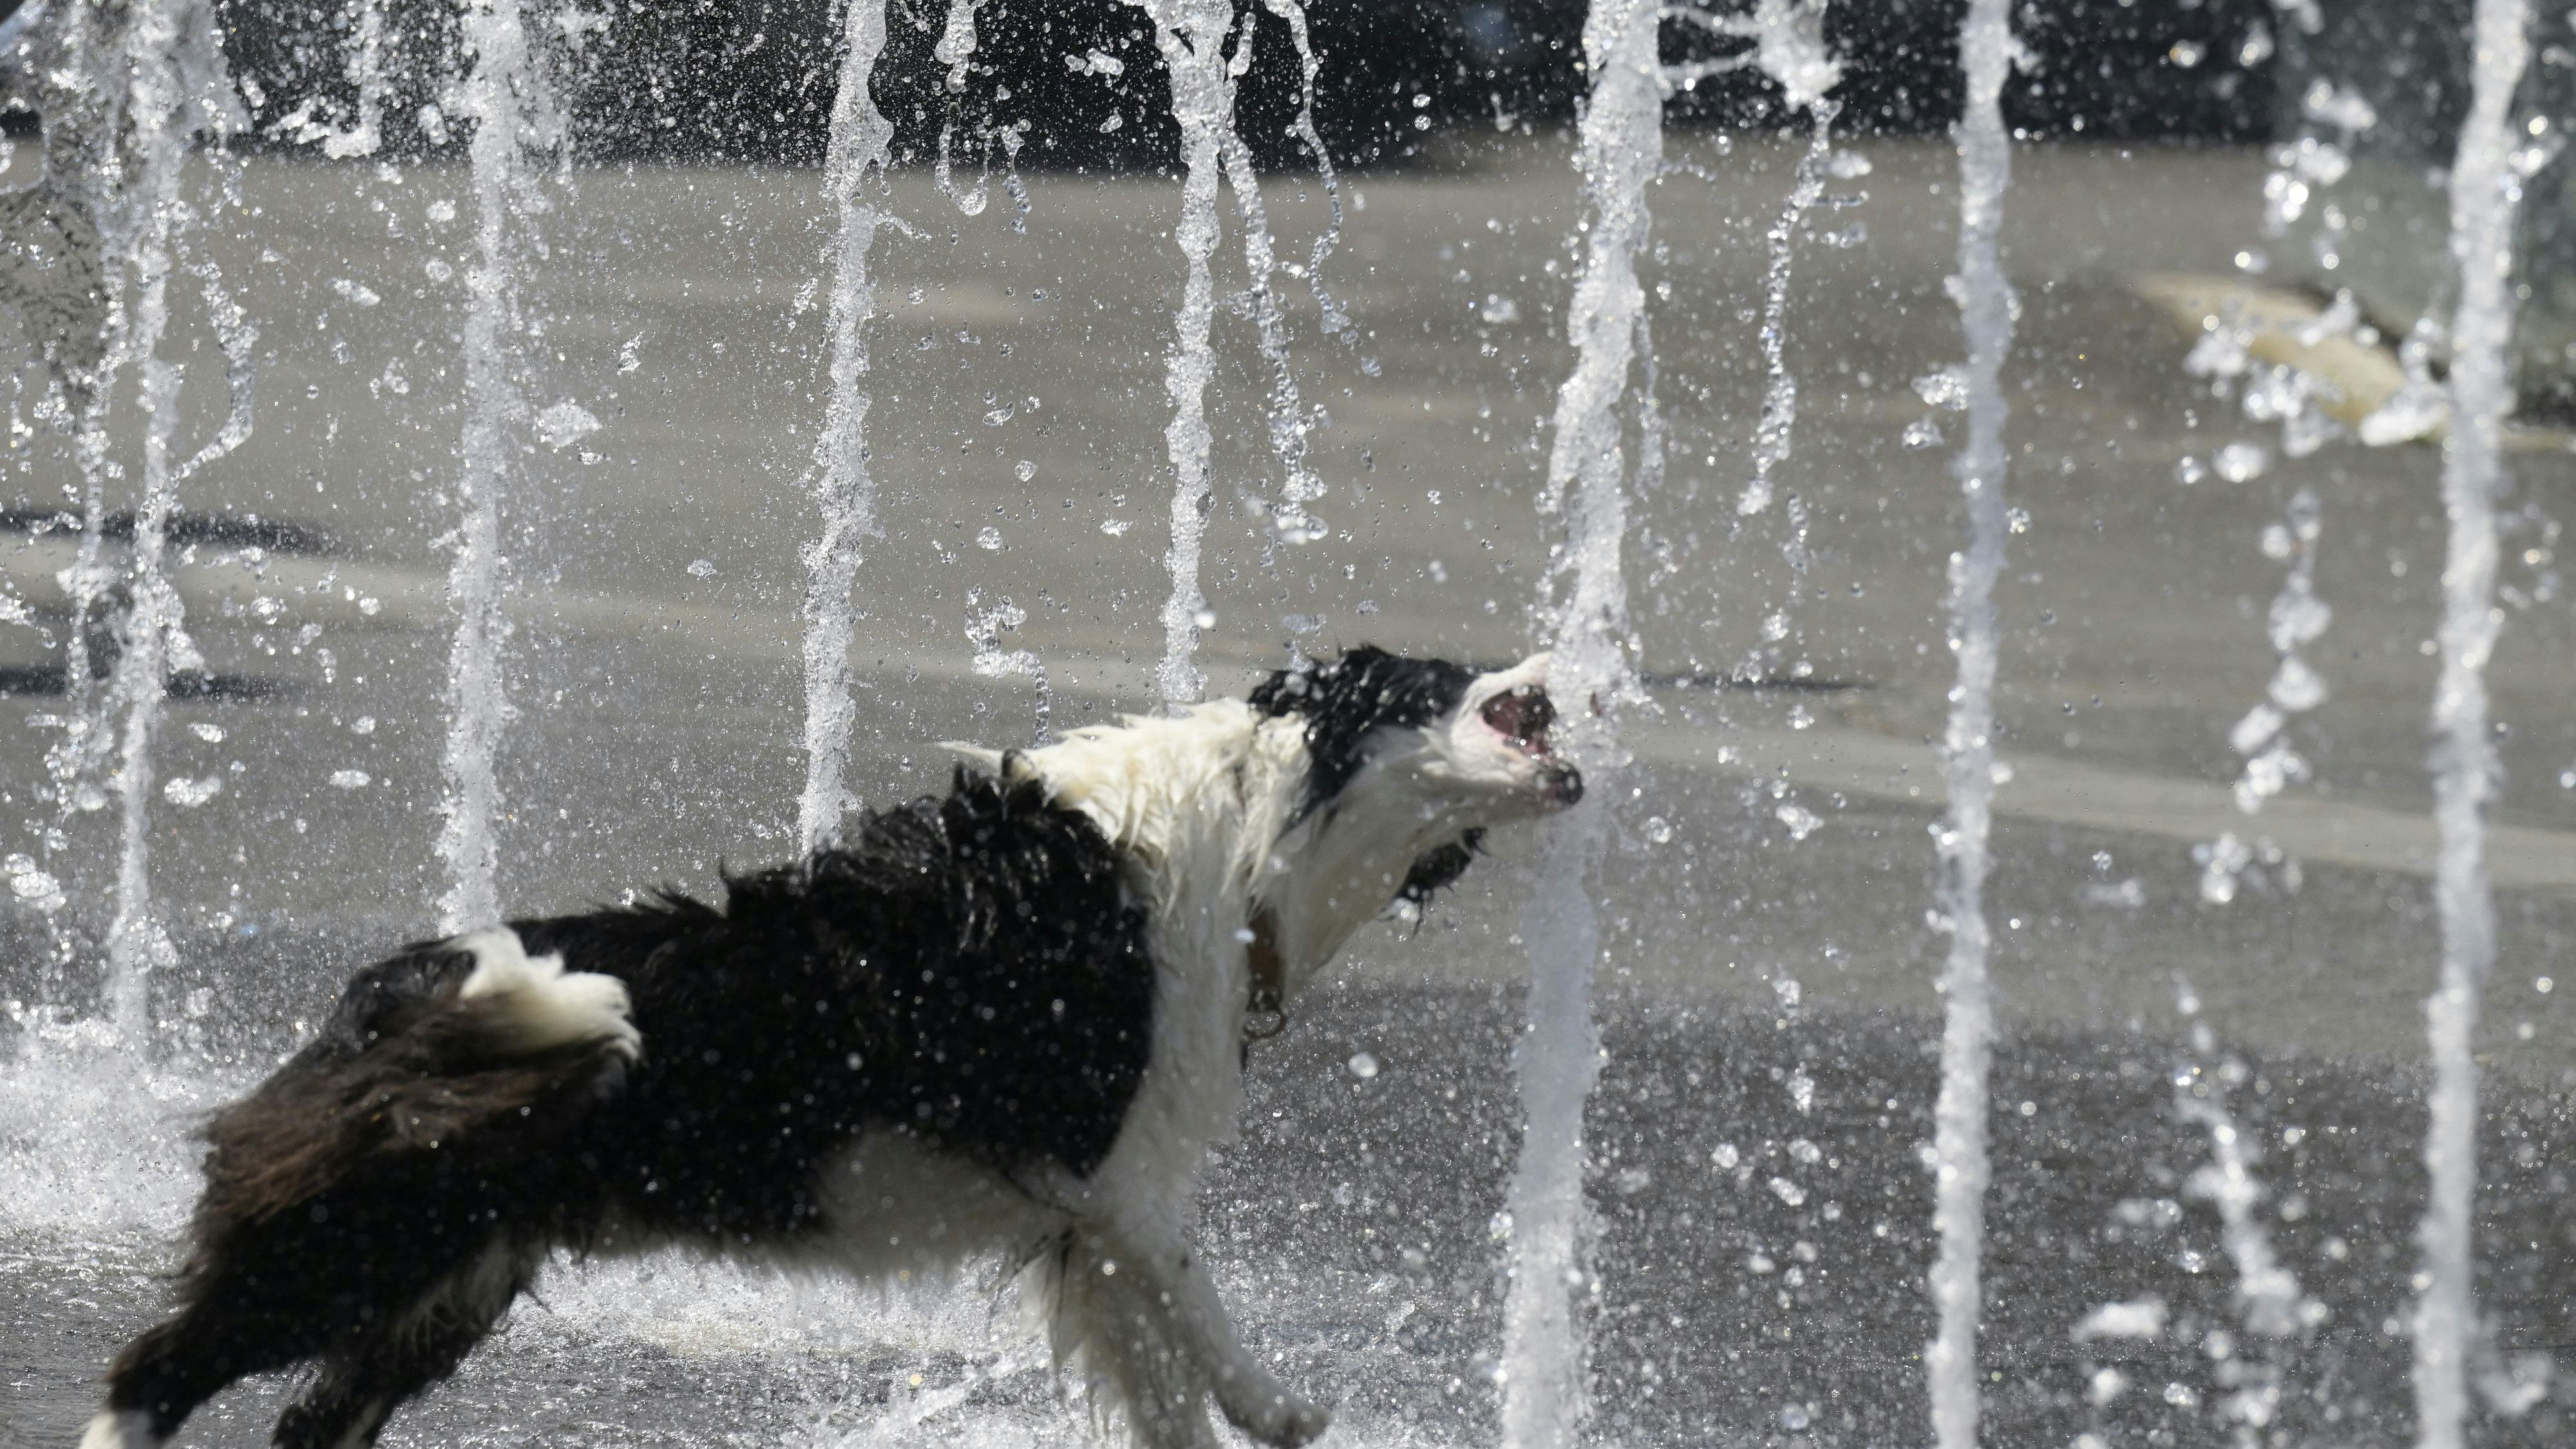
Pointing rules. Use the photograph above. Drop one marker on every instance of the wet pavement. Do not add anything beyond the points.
(1767, 893)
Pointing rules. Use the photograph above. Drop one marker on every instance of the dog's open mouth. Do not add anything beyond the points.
(1522, 716)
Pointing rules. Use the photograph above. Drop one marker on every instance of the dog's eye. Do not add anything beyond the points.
(1523, 715)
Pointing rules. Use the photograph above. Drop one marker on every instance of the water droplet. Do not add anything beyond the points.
(212, 734)
(1363, 1066)
(1024, 470)
(989, 539)
(1947, 388)
(1116, 527)
(188, 794)
(1659, 830)
(1204, 618)
(1922, 433)
(351, 779)
(1794, 1418)
(2241, 462)
(364, 724)
(30, 883)
(564, 424)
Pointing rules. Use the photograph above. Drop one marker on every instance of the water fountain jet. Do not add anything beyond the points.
(2484, 192)
(1960, 1167)
(844, 488)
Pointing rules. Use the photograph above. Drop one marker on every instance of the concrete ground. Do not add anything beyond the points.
(655, 677)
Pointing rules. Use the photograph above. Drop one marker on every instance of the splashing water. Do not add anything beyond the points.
(956, 50)
(1772, 434)
(843, 488)
(2486, 188)
(992, 661)
(505, 93)
(2268, 1297)
(1789, 47)
(1620, 148)
(364, 133)
(1293, 15)
(1986, 46)
(1289, 419)
(1191, 35)
(956, 47)
(1289, 422)
(2297, 618)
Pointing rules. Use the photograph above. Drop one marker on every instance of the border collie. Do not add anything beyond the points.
(1007, 1022)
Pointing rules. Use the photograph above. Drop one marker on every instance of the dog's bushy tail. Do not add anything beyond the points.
(380, 1199)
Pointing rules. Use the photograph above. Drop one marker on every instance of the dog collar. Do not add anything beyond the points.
(1265, 1013)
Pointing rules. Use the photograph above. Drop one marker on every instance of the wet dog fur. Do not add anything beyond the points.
(1010, 1021)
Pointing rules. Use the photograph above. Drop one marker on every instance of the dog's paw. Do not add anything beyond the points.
(1304, 1423)
(1280, 1419)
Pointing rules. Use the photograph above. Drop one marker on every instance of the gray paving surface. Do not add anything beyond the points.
(654, 673)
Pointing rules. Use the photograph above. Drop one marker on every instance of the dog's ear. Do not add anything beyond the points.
(1438, 868)
(1346, 701)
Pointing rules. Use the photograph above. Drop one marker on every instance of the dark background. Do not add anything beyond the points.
(705, 80)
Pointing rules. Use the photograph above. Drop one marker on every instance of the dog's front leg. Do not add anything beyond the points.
(1253, 1398)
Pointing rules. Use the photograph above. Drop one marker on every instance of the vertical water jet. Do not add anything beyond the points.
(842, 486)
(1968, 756)
(160, 84)
(2486, 188)
(162, 114)
(1777, 426)
(1619, 149)
(505, 97)
(1191, 36)
(1293, 14)
(1289, 423)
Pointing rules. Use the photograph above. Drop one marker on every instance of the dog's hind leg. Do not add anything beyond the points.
(392, 1359)
(232, 1330)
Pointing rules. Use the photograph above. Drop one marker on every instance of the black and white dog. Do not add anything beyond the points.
(1007, 1022)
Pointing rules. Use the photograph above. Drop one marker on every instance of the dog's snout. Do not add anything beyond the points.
(1560, 784)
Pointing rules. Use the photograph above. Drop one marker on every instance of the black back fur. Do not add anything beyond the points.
(968, 968)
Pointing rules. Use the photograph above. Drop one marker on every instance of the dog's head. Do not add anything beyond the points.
(1408, 763)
